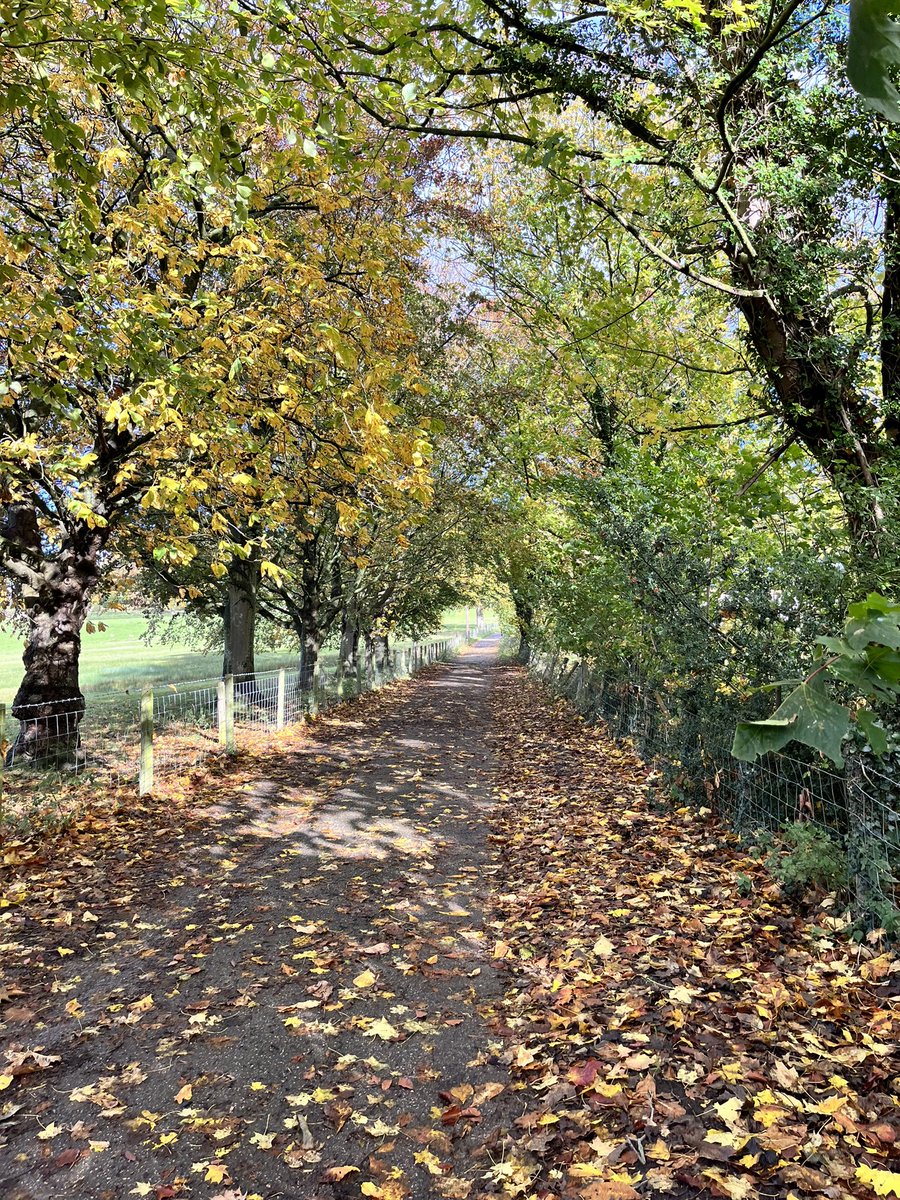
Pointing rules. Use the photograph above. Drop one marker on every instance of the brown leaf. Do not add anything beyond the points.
(609, 1191)
(336, 1174)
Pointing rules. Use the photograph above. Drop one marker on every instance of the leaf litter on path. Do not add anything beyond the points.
(271, 984)
(674, 1037)
(325, 974)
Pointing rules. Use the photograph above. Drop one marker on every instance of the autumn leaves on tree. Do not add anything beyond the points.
(205, 338)
(317, 328)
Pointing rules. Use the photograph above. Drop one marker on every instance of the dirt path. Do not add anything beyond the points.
(284, 1002)
(448, 942)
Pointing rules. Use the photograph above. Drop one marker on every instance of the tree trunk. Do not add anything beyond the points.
(240, 618)
(49, 703)
(349, 652)
(310, 647)
(382, 652)
(525, 621)
(822, 410)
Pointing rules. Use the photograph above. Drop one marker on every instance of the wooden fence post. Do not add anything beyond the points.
(229, 712)
(279, 699)
(2, 748)
(225, 696)
(145, 775)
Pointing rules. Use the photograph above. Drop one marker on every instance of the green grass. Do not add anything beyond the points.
(119, 658)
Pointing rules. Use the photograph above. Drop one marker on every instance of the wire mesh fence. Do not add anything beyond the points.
(146, 741)
(858, 806)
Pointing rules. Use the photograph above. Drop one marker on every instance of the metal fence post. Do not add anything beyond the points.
(145, 776)
(279, 699)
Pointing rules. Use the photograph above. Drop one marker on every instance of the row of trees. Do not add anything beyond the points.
(601, 305)
(214, 344)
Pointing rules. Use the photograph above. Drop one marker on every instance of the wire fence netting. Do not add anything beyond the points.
(147, 740)
(858, 805)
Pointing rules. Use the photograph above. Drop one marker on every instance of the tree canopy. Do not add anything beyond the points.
(319, 314)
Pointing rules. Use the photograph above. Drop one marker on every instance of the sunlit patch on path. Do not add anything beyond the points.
(292, 996)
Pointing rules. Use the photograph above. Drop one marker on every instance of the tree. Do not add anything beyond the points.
(728, 146)
(175, 308)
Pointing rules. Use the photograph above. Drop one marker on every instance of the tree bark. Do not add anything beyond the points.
(525, 621)
(369, 643)
(382, 651)
(56, 597)
(349, 652)
(890, 308)
(240, 617)
(830, 419)
(310, 648)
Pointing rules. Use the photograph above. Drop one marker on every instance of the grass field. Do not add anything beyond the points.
(121, 659)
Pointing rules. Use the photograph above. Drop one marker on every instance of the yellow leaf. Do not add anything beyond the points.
(429, 1161)
(588, 1170)
(364, 979)
(257, 1087)
(524, 1056)
(384, 1030)
(730, 1110)
(215, 1172)
(184, 1095)
(882, 1183)
(371, 1189)
(603, 947)
(5, 1081)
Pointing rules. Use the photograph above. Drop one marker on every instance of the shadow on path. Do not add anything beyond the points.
(298, 1014)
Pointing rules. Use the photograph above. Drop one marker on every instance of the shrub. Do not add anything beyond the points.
(812, 859)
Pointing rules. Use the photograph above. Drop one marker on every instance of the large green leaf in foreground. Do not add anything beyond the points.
(808, 715)
(873, 48)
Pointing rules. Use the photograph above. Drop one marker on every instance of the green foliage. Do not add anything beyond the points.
(811, 859)
(873, 51)
(882, 917)
(867, 660)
